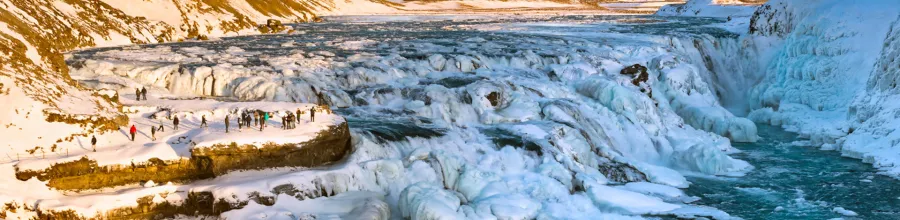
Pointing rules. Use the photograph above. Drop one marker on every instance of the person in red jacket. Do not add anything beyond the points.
(133, 130)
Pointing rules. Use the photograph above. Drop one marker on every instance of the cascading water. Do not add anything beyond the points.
(732, 65)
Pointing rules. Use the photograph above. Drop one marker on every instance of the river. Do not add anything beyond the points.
(805, 182)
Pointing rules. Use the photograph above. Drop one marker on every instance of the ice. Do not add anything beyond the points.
(667, 193)
(613, 199)
(844, 212)
(429, 201)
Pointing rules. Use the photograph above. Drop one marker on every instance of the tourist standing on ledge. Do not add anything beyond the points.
(203, 121)
(241, 121)
(137, 94)
(132, 131)
(226, 123)
(175, 122)
(94, 143)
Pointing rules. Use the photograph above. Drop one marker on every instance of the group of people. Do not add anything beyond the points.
(133, 131)
(140, 93)
(288, 121)
(258, 117)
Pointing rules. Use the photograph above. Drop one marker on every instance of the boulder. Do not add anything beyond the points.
(271, 26)
(633, 69)
(640, 75)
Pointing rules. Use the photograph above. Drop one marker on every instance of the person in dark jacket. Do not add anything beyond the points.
(284, 122)
(133, 131)
(137, 94)
(152, 133)
(144, 93)
(312, 114)
(290, 120)
(175, 122)
(246, 119)
(227, 122)
(94, 143)
(203, 121)
(241, 121)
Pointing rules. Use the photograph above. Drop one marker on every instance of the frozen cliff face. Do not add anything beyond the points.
(871, 134)
(821, 65)
(819, 73)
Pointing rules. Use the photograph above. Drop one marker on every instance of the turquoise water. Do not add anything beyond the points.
(805, 182)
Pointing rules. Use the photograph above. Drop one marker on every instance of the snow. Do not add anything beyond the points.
(707, 8)
(351, 205)
(563, 95)
(590, 118)
(117, 148)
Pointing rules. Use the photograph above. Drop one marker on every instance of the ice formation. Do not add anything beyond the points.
(809, 70)
(483, 126)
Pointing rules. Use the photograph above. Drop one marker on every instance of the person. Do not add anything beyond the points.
(247, 119)
(152, 133)
(203, 121)
(256, 118)
(226, 123)
(284, 122)
(133, 131)
(94, 143)
(137, 94)
(241, 121)
(261, 122)
(312, 114)
(265, 118)
(144, 93)
(161, 127)
(290, 120)
(175, 122)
